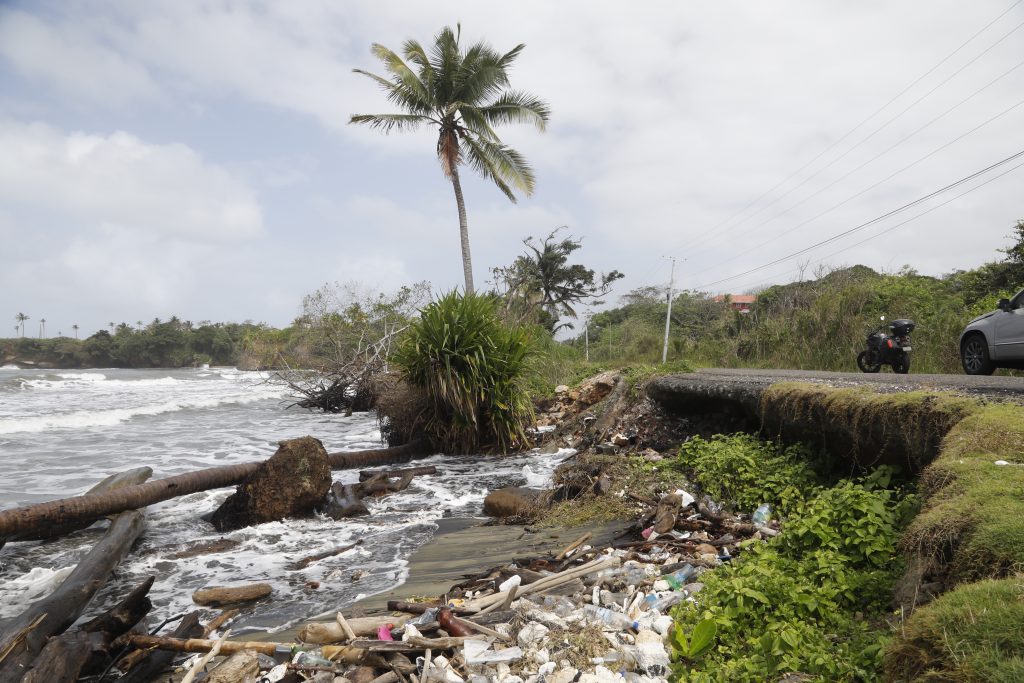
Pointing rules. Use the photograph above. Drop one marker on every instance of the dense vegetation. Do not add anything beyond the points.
(472, 369)
(171, 343)
(814, 599)
(815, 324)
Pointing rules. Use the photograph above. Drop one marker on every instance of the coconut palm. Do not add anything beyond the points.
(75, 328)
(42, 327)
(21, 318)
(463, 94)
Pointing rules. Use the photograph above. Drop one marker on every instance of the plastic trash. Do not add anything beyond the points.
(614, 619)
(384, 632)
(679, 578)
(477, 652)
(312, 658)
(428, 617)
(664, 602)
(762, 514)
(687, 499)
(559, 604)
(506, 585)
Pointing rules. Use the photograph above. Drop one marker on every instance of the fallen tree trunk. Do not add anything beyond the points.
(415, 471)
(67, 511)
(87, 650)
(26, 635)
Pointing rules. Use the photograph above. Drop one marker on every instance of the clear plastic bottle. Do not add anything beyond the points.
(679, 578)
(762, 514)
(665, 602)
(614, 619)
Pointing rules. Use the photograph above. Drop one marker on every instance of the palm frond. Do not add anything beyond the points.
(502, 164)
(474, 121)
(389, 122)
(399, 94)
(404, 76)
(515, 106)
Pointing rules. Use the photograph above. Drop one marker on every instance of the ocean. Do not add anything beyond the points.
(61, 432)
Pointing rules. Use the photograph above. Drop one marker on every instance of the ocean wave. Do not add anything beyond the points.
(83, 376)
(9, 367)
(105, 418)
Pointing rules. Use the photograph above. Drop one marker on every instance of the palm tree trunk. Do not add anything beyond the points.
(30, 519)
(467, 260)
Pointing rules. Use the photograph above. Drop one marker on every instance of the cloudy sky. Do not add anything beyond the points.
(194, 158)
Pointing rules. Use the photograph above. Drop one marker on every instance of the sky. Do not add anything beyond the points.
(195, 158)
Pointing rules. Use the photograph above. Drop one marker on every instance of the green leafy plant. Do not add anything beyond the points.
(702, 638)
(745, 471)
(472, 368)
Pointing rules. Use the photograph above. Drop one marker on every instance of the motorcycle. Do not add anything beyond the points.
(891, 349)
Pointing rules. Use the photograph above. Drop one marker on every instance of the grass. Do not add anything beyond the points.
(971, 634)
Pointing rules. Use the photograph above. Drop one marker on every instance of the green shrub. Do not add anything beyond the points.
(473, 369)
(745, 471)
(808, 602)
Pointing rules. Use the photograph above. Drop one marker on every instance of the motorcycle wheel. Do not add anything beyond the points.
(901, 366)
(868, 361)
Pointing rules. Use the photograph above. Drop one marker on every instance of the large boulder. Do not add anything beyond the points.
(290, 484)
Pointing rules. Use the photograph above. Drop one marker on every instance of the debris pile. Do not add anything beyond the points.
(586, 614)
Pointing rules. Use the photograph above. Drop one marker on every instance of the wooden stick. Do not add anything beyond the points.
(482, 629)
(204, 645)
(349, 633)
(219, 620)
(511, 597)
(572, 546)
(198, 666)
(306, 561)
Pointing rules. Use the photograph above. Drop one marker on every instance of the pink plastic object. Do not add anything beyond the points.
(384, 632)
(646, 533)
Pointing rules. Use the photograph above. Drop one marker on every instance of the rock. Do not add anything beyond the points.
(705, 549)
(291, 483)
(224, 595)
(566, 675)
(620, 440)
(663, 624)
(530, 634)
(541, 657)
(596, 388)
(514, 501)
(362, 674)
(561, 389)
(603, 485)
(606, 448)
(660, 586)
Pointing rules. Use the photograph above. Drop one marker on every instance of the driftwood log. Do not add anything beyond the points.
(87, 650)
(31, 519)
(346, 500)
(25, 636)
(147, 666)
(227, 595)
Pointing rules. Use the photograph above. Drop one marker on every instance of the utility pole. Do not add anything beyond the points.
(668, 314)
(586, 337)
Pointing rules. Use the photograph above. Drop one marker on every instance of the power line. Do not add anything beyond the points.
(887, 178)
(712, 233)
(902, 223)
(873, 221)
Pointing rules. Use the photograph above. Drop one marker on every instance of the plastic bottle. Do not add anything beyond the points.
(679, 578)
(666, 601)
(762, 514)
(615, 619)
(558, 604)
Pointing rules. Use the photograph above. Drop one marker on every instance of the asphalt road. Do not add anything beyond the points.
(1011, 388)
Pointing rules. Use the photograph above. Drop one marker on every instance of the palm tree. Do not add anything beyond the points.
(42, 327)
(75, 328)
(111, 326)
(21, 318)
(463, 94)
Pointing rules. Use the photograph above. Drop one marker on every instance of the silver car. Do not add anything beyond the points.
(996, 339)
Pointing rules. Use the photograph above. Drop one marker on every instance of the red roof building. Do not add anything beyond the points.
(738, 302)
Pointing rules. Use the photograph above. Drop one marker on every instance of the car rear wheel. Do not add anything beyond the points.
(974, 356)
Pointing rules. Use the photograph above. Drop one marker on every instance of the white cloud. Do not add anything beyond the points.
(72, 57)
(121, 180)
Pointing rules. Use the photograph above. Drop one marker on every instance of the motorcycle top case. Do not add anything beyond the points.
(902, 327)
